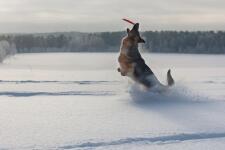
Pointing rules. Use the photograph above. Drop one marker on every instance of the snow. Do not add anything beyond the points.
(80, 101)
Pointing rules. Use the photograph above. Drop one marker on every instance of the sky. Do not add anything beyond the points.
(105, 15)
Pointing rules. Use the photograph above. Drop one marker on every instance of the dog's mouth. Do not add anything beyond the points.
(141, 40)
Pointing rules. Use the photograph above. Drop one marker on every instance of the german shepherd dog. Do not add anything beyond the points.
(133, 65)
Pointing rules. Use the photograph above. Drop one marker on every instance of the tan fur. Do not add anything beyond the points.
(126, 64)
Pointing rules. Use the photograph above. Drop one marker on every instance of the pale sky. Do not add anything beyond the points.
(105, 15)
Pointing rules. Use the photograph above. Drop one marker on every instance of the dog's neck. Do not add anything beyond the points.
(130, 49)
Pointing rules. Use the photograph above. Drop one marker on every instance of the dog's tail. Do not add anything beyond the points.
(170, 80)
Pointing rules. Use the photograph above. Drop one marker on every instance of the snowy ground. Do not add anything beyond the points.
(80, 101)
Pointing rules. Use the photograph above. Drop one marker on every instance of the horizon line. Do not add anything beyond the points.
(52, 32)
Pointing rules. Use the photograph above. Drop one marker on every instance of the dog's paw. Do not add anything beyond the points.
(121, 72)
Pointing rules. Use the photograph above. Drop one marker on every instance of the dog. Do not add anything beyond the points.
(133, 65)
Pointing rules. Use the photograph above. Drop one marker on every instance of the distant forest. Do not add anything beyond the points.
(156, 41)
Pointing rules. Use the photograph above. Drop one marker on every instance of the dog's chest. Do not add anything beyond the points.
(124, 60)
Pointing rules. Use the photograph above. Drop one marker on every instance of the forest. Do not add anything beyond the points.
(212, 42)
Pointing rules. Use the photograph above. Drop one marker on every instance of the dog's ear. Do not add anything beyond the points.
(136, 27)
(128, 30)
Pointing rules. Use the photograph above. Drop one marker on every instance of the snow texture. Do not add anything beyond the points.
(79, 101)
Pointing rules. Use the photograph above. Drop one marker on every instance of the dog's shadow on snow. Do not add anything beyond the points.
(181, 106)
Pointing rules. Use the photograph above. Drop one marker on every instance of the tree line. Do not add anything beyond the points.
(156, 41)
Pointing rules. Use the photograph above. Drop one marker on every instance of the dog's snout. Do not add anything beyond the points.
(141, 40)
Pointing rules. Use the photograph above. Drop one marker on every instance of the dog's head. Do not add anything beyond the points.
(134, 34)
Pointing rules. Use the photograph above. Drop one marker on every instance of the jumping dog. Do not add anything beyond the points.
(133, 65)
